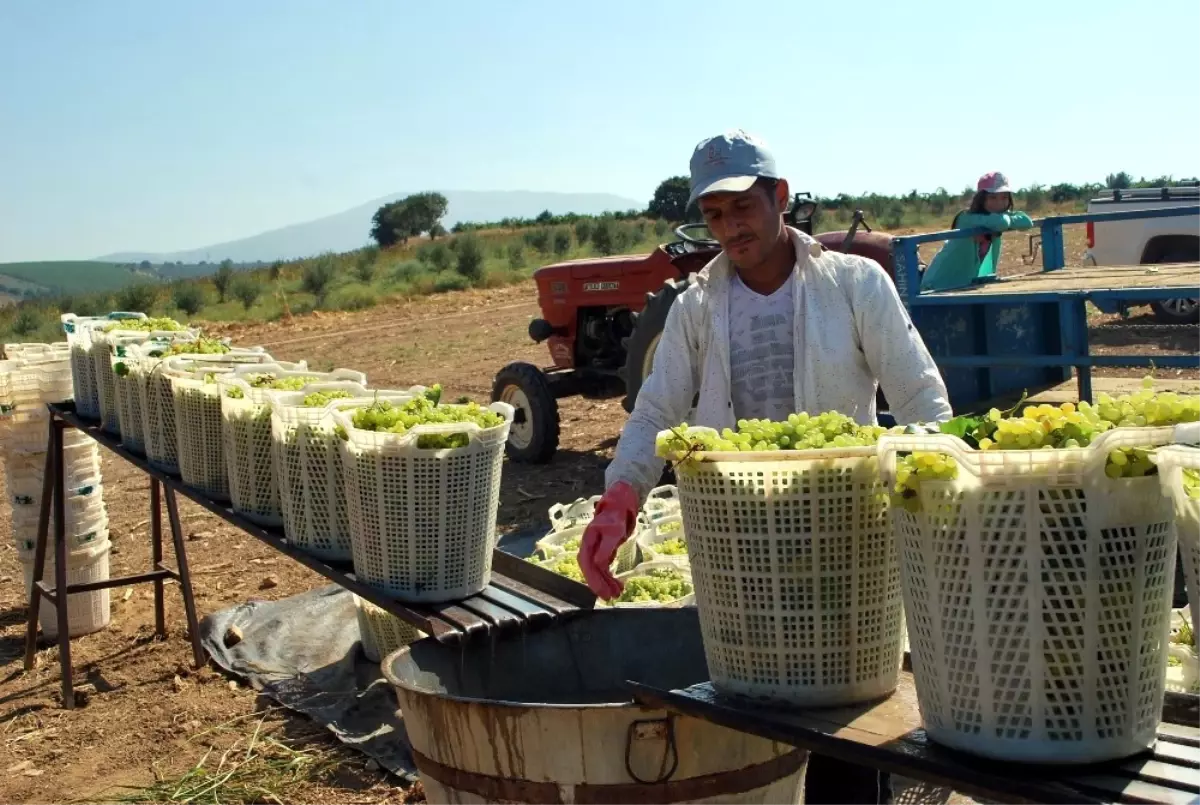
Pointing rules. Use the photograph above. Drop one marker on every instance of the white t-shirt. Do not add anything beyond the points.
(762, 357)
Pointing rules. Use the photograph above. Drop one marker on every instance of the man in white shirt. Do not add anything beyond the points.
(772, 326)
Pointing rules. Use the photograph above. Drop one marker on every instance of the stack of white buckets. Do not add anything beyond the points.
(31, 376)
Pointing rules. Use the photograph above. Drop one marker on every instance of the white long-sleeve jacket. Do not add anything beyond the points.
(852, 335)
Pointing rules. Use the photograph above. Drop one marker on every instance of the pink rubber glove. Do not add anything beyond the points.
(614, 521)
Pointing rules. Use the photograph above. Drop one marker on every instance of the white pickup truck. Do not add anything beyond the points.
(1148, 240)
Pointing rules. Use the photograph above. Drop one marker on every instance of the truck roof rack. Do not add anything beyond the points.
(1189, 190)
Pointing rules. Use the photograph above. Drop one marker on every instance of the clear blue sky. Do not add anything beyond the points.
(151, 125)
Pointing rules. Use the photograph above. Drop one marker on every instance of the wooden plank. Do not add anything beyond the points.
(529, 574)
(548, 602)
(1178, 754)
(498, 617)
(1080, 279)
(1120, 789)
(1168, 774)
(526, 609)
(1180, 734)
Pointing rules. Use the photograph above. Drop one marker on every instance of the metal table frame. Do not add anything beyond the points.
(505, 605)
(1069, 307)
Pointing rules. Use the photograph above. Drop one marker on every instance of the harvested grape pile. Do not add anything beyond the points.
(201, 346)
(1191, 484)
(384, 416)
(270, 381)
(657, 585)
(1046, 427)
(320, 399)
(672, 547)
(162, 324)
(799, 432)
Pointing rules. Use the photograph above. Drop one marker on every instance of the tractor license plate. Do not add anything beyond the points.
(601, 286)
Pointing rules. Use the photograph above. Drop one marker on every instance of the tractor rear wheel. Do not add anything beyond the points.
(533, 435)
(643, 343)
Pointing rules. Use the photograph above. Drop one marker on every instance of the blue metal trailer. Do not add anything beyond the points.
(1002, 336)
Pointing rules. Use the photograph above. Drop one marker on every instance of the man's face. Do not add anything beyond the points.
(747, 224)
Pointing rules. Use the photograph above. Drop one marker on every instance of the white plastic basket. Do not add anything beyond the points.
(307, 463)
(246, 433)
(644, 569)
(86, 612)
(86, 521)
(157, 396)
(1037, 592)
(58, 350)
(664, 528)
(1172, 461)
(796, 574)
(129, 368)
(201, 454)
(555, 543)
(423, 522)
(81, 469)
(107, 345)
(80, 331)
(382, 633)
(569, 515)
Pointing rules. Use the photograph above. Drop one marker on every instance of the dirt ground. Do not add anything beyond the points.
(148, 715)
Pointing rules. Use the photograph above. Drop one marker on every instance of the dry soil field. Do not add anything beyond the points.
(148, 715)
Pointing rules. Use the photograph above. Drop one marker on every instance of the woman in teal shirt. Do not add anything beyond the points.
(964, 260)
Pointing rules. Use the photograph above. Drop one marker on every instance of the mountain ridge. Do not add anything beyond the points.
(349, 229)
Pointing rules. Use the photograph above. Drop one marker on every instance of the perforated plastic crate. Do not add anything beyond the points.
(159, 430)
(110, 344)
(645, 569)
(569, 515)
(1172, 462)
(382, 633)
(80, 332)
(568, 540)
(665, 528)
(423, 521)
(246, 432)
(1037, 592)
(308, 469)
(87, 612)
(796, 574)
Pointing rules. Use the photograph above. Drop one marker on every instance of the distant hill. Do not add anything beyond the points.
(66, 276)
(350, 229)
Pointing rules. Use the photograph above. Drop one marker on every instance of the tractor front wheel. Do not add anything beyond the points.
(533, 435)
(643, 343)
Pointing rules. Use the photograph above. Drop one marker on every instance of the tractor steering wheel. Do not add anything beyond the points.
(682, 232)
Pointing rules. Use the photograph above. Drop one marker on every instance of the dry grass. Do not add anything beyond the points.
(239, 768)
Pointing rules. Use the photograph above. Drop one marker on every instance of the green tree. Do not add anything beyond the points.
(188, 297)
(1118, 181)
(670, 199)
(398, 221)
(437, 231)
(364, 263)
(538, 239)
(470, 258)
(222, 278)
(516, 256)
(246, 289)
(604, 236)
(275, 270)
(140, 296)
(583, 230)
(562, 241)
(317, 275)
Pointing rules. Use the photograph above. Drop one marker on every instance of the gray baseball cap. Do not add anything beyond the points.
(730, 162)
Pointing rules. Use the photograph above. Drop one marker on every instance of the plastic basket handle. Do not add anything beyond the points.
(1188, 433)
(889, 446)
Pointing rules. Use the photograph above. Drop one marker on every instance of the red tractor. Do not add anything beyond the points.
(602, 318)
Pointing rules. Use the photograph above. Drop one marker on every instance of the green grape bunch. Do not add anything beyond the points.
(1069, 426)
(672, 547)
(266, 380)
(1191, 483)
(800, 431)
(385, 416)
(201, 346)
(658, 585)
(148, 325)
(320, 399)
